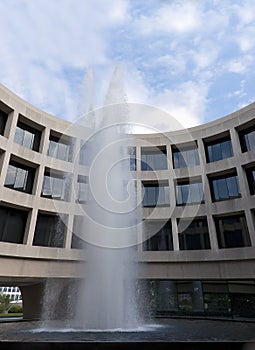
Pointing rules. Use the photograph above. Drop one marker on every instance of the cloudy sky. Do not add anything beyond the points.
(193, 58)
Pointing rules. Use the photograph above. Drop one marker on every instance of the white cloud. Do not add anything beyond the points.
(40, 41)
(186, 103)
(173, 51)
(241, 64)
(175, 17)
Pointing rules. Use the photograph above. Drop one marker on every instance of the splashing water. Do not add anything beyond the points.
(107, 298)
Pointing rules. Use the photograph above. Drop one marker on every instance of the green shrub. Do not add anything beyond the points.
(15, 309)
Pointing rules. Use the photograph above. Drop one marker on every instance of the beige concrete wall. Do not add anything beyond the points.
(28, 263)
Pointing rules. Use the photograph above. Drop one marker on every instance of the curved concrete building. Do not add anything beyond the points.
(198, 189)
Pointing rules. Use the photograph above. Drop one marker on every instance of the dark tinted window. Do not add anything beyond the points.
(155, 194)
(55, 187)
(50, 231)
(251, 179)
(189, 192)
(232, 231)
(247, 139)
(27, 136)
(3, 120)
(20, 177)
(153, 158)
(160, 237)
(78, 233)
(12, 224)
(219, 149)
(183, 158)
(225, 187)
(194, 235)
(59, 149)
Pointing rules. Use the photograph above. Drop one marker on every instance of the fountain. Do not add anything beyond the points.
(106, 298)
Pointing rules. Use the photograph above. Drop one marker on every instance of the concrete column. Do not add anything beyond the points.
(201, 152)
(212, 232)
(32, 297)
(169, 157)
(250, 225)
(38, 181)
(138, 158)
(197, 297)
(5, 158)
(10, 127)
(69, 231)
(175, 234)
(235, 141)
(45, 141)
(30, 227)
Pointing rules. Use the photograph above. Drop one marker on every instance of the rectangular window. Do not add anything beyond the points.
(82, 189)
(250, 173)
(224, 187)
(160, 236)
(218, 149)
(19, 177)
(12, 225)
(193, 235)
(59, 149)
(54, 187)
(155, 194)
(27, 136)
(3, 120)
(50, 231)
(247, 139)
(153, 158)
(232, 231)
(189, 192)
(185, 157)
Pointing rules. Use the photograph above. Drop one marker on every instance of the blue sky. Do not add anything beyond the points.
(194, 59)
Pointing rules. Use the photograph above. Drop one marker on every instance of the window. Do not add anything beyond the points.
(82, 189)
(50, 231)
(250, 173)
(27, 136)
(59, 149)
(19, 177)
(3, 120)
(247, 139)
(161, 239)
(189, 192)
(12, 224)
(232, 231)
(224, 187)
(218, 149)
(184, 157)
(55, 186)
(155, 194)
(193, 235)
(153, 158)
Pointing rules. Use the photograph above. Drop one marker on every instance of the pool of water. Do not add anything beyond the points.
(163, 330)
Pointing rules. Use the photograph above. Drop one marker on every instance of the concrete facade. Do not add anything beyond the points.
(25, 264)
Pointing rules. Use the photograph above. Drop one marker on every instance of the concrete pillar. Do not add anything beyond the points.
(176, 245)
(197, 297)
(32, 296)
